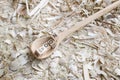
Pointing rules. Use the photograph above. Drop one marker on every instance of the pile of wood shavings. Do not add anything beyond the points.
(89, 54)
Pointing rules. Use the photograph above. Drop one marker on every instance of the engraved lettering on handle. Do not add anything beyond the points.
(53, 34)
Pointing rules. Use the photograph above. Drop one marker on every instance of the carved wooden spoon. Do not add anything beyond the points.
(43, 47)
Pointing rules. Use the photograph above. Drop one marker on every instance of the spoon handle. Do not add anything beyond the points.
(81, 24)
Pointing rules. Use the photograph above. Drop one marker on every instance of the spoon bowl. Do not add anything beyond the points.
(43, 47)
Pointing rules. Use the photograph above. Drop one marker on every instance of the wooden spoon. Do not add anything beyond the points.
(43, 47)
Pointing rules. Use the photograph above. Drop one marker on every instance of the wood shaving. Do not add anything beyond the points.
(8, 41)
(92, 53)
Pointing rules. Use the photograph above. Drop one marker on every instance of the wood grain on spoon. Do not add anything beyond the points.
(41, 51)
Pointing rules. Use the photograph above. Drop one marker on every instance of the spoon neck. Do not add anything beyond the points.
(66, 33)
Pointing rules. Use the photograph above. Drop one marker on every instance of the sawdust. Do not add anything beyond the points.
(89, 54)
